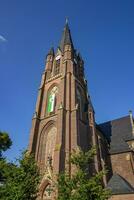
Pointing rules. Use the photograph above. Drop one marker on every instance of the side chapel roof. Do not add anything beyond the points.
(117, 132)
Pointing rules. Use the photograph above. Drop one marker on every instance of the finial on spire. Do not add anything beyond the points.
(66, 20)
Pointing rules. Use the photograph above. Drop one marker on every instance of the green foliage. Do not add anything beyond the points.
(19, 182)
(5, 142)
(79, 186)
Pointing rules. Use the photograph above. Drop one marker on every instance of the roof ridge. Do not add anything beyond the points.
(114, 119)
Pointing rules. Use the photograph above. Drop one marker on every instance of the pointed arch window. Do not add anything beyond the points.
(51, 102)
(50, 146)
(57, 67)
(47, 148)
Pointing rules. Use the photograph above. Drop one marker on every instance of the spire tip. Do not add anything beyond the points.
(66, 20)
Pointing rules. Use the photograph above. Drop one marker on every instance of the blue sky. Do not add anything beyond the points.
(103, 31)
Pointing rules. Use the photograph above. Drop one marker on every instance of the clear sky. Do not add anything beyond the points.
(102, 30)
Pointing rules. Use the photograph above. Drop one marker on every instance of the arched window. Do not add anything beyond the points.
(50, 146)
(51, 102)
(47, 147)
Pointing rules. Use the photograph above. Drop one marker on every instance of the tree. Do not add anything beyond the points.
(80, 186)
(20, 181)
(5, 142)
(17, 181)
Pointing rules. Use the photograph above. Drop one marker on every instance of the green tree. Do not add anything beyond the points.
(80, 186)
(5, 142)
(20, 181)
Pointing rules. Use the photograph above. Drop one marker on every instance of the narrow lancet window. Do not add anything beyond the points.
(57, 67)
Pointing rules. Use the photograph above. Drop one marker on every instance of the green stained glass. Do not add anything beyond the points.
(51, 101)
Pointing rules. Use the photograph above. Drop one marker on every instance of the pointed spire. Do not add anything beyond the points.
(66, 20)
(66, 37)
(51, 51)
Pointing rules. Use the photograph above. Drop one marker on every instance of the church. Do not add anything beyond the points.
(64, 119)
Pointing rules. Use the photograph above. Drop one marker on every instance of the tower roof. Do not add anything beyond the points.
(66, 37)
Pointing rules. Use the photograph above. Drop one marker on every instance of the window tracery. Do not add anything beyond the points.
(50, 146)
(47, 147)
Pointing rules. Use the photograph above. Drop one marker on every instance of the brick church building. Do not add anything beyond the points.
(64, 120)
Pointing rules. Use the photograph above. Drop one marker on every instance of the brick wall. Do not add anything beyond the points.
(122, 197)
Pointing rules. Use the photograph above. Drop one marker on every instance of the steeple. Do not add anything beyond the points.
(62, 120)
(66, 37)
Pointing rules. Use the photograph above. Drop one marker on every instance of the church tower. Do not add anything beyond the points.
(64, 116)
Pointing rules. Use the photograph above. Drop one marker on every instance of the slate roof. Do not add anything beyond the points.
(117, 132)
(66, 38)
(119, 185)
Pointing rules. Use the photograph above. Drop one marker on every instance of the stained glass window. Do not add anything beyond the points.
(52, 100)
